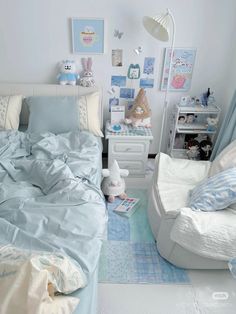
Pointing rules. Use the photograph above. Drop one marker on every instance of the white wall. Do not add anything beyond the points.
(35, 35)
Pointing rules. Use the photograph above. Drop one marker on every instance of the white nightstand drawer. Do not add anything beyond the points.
(121, 147)
(135, 167)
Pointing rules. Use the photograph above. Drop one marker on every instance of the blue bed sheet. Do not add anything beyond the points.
(50, 197)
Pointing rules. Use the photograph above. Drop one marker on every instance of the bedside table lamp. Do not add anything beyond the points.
(159, 28)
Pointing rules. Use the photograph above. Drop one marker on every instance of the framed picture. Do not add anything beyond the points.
(181, 71)
(88, 35)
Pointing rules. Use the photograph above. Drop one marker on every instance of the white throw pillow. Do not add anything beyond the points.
(10, 108)
(225, 160)
(89, 114)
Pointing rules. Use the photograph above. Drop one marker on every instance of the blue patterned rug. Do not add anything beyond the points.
(129, 255)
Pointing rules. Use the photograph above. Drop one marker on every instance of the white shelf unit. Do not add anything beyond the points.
(179, 133)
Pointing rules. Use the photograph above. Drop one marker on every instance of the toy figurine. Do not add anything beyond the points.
(190, 118)
(211, 124)
(205, 149)
(113, 183)
(193, 150)
(182, 119)
(140, 113)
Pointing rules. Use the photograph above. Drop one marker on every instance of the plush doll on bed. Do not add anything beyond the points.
(67, 75)
(140, 113)
(113, 183)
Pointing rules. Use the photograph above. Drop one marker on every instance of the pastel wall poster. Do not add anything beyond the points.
(181, 71)
(118, 80)
(134, 71)
(148, 67)
(88, 35)
(117, 57)
(146, 83)
(127, 93)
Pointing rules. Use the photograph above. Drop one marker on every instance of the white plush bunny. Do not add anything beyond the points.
(87, 79)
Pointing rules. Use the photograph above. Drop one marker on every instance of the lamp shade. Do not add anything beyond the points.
(158, 26)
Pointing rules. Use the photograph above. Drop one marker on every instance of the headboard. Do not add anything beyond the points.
(47, 90)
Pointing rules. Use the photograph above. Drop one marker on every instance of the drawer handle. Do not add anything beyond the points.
(128, 149)
(129, 167)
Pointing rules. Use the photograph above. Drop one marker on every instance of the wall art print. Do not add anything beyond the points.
(88, 35)
(182, 69)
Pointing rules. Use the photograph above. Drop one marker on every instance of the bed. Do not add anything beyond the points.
(50, 197)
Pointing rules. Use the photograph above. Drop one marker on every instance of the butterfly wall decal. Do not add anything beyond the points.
(118, 34)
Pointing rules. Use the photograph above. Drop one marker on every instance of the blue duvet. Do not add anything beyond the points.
(50, 196)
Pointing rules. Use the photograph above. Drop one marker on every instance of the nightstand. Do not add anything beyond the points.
(130, 148)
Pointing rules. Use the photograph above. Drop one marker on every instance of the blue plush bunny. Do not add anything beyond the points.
(67, 75)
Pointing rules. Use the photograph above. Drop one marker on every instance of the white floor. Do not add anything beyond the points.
(210, 292)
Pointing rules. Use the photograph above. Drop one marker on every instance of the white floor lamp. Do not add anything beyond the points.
(159, 28)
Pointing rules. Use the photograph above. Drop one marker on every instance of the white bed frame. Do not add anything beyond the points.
(47, 90)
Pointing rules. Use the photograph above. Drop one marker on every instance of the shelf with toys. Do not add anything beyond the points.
(192, 130)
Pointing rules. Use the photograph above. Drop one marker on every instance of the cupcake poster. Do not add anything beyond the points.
(182, 69)
(87, 35)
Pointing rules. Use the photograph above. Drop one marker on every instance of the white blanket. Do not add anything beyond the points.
(210, 234)
(25, 279)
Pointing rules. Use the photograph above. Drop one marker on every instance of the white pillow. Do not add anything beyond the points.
(225, 160)
(89, 115)
(10, 108)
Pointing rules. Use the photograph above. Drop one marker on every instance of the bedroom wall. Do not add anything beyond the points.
(35, 35)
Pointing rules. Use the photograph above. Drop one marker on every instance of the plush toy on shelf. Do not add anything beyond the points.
(193, 150)
(211, 124)
(140, 113)
(205, 149)
(113, 183)
(67, 75)
(87, 79)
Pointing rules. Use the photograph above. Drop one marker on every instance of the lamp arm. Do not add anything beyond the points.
(163, 122)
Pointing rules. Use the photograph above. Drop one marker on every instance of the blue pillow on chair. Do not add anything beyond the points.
(56, 114)
(215, 193)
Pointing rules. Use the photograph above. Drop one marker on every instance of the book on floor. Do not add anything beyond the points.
(127, 207)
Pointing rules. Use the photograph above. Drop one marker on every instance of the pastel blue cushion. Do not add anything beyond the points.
(215, 193)
(56, 114)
